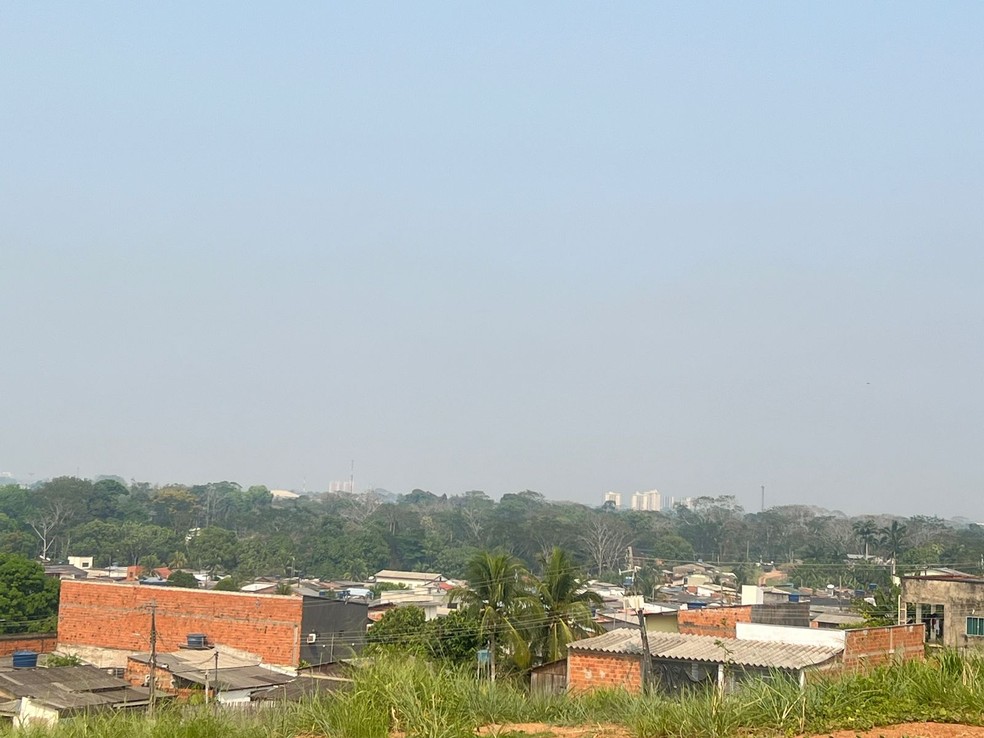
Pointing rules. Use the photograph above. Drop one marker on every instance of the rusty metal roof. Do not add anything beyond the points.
(679, 647)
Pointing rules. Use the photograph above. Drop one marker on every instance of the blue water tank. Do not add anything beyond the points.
(196, 640)
(794, 598)
(25, 659)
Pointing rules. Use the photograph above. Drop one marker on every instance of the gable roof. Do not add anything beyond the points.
(708, 649)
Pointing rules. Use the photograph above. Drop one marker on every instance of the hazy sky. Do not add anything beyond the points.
(564, 247)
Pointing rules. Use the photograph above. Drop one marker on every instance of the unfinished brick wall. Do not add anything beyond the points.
(593, 670)
(110, 615)
(713, 621)
(873, 646)
(37, 642)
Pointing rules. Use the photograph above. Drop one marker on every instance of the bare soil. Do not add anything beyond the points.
(598, 730)
(906, 730)
(913, 730)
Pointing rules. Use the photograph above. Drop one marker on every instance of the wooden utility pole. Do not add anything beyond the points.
(215, 680)
(646, 664)
(153, 660)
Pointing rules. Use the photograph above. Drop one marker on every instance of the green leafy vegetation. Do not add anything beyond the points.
(421, 699)
(237, 532)
(28, 599)
(182, 579)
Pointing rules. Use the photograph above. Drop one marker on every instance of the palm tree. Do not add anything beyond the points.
(893, 538)
(867, 532)
(498, 593)
(179, 560)
(564, 607)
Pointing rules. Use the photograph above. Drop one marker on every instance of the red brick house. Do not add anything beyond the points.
(615, 660)
(679, 660)
(103, 622)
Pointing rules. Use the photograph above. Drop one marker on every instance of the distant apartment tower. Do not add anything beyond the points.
(345, 486)
(647, 501)
(654, 500)
(615, 498)
(670, 503)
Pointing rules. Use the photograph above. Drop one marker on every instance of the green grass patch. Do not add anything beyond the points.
(419, 699)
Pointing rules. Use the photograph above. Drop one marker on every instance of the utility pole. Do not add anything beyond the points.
(152, 703)
(763, 498)
(215, 678)
(646, 663)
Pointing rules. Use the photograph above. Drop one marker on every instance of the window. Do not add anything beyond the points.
(975, 626)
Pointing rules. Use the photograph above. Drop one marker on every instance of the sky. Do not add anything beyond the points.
(566, 247)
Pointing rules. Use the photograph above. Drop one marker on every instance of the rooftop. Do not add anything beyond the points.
(301, 688)
(679, 647)
(958, 577)
(68, 688)
(423, 576)
(838, 618)
(36, 682)
(233, 673)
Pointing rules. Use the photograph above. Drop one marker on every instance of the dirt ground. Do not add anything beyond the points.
(560, 731)
(914, 730)
(907, 730)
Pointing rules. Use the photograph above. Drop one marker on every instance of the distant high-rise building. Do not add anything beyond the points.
(653, 500)
(615, 498)
(647, 501)
(340, 486)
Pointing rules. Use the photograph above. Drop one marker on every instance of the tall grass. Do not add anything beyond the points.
(417, 699)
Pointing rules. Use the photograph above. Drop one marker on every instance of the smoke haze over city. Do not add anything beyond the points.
(567, 248)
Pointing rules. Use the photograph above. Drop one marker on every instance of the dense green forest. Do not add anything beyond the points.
(224, 528)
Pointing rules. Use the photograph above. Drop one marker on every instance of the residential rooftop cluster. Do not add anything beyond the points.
(697, 627)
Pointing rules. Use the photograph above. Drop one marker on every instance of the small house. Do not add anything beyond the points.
(679, 661)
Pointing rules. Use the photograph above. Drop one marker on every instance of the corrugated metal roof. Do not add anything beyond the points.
(67, 688)
(191, 660)
(301, 688)
(35, 682)
(243, 677)
(837, 618)
(427, 576)
(679, 647)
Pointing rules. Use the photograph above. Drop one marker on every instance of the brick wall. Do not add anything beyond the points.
(873, 646)
(109, 615)
(713, 621)
(593, 670)
(37, 642)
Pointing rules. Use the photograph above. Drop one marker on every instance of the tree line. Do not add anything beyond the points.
(226, 529)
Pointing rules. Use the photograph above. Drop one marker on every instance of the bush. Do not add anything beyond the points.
(182, 579)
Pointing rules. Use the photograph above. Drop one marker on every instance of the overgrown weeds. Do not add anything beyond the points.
(415, 698)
